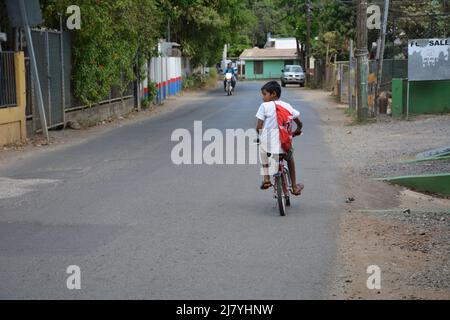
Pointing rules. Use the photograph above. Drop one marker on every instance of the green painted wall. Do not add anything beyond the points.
(271, 69)
(425, 97)
(249, 68)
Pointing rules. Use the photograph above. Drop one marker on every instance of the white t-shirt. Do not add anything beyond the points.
(270, 136)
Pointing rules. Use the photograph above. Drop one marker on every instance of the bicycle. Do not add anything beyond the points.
(282, 185)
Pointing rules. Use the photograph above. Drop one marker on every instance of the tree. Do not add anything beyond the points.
(203, 27)
(336, 26)
(332, 24)
(115, 35)
(421, 19)
(415, 20)
(271, 17)
(331, 43)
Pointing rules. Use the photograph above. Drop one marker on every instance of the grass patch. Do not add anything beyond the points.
(351, 113)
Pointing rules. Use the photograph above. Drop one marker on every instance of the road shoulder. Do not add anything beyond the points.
(404, 233)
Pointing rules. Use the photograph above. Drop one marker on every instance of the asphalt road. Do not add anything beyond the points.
(140, 227)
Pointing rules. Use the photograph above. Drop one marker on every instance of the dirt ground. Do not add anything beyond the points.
(405, 233)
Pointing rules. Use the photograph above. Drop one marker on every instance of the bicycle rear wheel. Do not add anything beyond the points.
(288, 181)
(281, 199)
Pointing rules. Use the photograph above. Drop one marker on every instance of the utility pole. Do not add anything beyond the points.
(168, 30)
(351, 84)
(34, 69)
(300, 53)
(308, 40)
(362, 61)
(381, 50)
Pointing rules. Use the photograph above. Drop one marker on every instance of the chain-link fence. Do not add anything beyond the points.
(393, 69)
(341, 78)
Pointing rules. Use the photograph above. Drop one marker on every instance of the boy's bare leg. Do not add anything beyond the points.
(266, 184)
(266, 172)
(297, 188)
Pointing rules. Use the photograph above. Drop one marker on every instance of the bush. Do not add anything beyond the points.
(199, 81)
(212, 78)
(152, 91)
(195, 81)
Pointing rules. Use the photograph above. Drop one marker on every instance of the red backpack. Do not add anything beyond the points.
(285, 124)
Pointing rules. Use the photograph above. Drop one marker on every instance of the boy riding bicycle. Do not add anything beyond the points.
(268, 128)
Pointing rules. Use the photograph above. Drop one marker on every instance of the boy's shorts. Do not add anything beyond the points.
(271, 166)
(264, 156)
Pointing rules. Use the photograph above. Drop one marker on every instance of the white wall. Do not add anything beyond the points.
(287, 43)
(166, 72)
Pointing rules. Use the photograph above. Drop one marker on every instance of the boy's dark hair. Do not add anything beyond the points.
(272, 87)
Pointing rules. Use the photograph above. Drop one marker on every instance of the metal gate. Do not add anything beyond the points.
(7, 80)
(344, 76)
(52, 49)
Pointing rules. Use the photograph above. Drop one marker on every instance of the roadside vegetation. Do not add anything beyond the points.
(152, 91)
(118, 34)
(199, 81)
(351, 113)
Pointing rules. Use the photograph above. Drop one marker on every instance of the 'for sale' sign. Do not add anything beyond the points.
(429, 59)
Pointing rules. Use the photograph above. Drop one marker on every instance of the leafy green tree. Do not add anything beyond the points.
(331, 43)
(115, 35)
(332, 23)
(415, 20)
(420, 19)
(271, 17)
(203, 27)
(238, 45)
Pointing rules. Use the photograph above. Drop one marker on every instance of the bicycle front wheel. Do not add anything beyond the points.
(281, 199)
